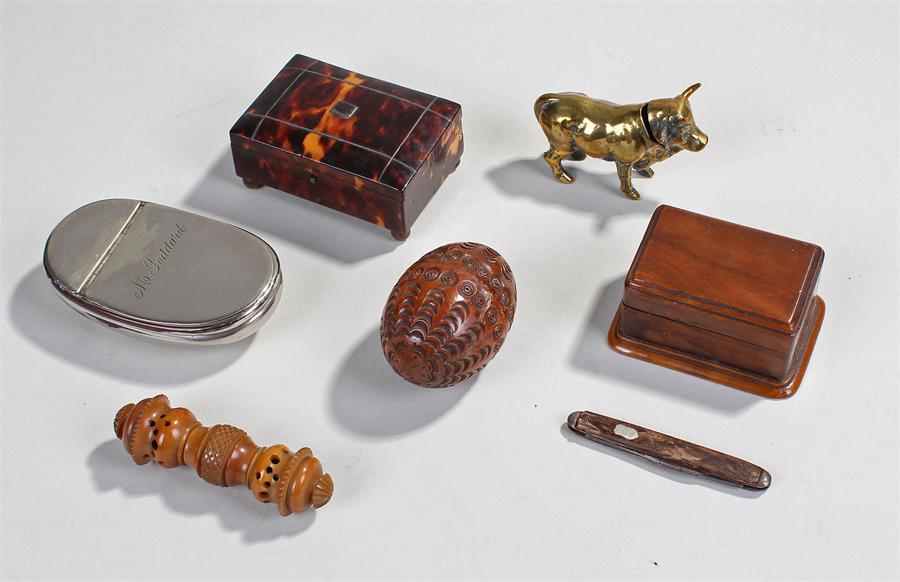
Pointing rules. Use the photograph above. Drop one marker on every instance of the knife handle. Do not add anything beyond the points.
(669, 451)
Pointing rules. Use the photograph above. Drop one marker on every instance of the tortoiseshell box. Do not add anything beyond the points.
(362, 146)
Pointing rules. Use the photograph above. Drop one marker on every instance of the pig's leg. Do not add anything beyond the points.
(624, 171)
(554, 158)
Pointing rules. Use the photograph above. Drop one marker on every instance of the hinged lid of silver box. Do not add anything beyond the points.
(161, 272)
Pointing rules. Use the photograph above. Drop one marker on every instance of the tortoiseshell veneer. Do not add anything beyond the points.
(360, 145)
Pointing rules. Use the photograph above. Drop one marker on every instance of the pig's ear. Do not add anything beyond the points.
(690, 90)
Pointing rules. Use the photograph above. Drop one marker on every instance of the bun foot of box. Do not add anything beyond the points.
(400, 235)
(251, 184)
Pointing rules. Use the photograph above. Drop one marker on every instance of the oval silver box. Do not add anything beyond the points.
(163, 273)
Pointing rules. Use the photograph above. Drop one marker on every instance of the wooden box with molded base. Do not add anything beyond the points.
(362, 146)
(724, 302)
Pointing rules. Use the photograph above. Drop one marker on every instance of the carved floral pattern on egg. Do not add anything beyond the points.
(448, 315)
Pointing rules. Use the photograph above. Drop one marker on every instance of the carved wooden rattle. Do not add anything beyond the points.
(223, 455)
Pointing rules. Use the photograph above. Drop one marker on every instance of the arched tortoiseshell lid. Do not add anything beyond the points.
(223, 455)
(448, 314)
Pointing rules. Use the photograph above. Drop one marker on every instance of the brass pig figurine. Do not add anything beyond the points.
(633, 136)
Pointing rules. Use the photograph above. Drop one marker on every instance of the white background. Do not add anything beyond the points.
(481, 480)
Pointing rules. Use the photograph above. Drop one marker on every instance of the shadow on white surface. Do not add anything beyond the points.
(667, 473)
(322, 230)
(369, 398)
(185, 493)
(593, 354)
(41, 317)
(596, 194)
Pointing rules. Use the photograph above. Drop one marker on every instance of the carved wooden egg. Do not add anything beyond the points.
(448, 314)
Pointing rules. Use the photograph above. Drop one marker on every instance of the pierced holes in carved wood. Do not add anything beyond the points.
(267, 484)
(152, 423)
(275, 460)
(275, 477)
(268, 469)
(258, 475)
(154, 444)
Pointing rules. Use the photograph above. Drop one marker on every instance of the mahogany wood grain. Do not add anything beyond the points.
(722, 301)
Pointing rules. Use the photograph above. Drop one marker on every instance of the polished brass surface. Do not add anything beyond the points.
(633, 136)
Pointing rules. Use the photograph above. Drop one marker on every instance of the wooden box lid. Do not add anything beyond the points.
(362, 126)
(723, 277)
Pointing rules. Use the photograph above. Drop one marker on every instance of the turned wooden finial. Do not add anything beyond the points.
(223, 455)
